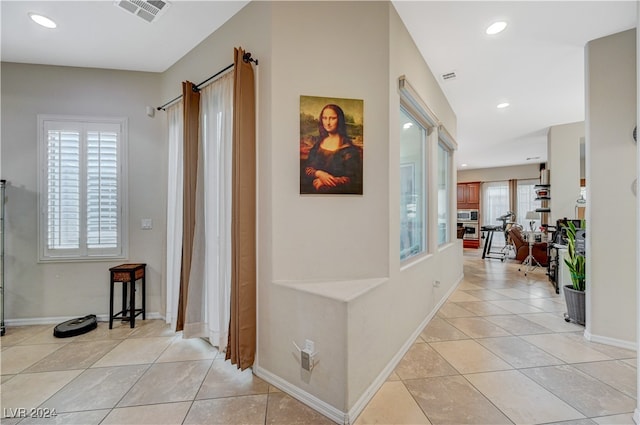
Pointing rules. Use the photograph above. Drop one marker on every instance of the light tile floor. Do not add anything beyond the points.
(497, 352)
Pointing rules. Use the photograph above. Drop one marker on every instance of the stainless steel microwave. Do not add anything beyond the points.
(467, 215)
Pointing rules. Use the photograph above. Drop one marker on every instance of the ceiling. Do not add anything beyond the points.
(536, 64)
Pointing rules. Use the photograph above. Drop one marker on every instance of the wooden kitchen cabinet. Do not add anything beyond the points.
(469, 195)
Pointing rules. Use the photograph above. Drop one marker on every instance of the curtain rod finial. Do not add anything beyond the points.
(248, 59)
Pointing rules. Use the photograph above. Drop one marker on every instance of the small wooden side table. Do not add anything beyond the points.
(127, 274)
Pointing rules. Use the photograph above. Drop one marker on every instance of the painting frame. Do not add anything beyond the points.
(331, 145)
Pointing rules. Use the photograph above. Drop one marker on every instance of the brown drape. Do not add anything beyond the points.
(241, 347)
(191, 116)
(513, 196)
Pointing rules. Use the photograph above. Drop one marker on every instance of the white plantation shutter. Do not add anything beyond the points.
(82, 187)
(63, 190)
(102, 189)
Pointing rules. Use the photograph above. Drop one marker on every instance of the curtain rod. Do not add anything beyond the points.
(245, 58)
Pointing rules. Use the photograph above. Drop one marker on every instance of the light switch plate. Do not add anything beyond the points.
(146, 224)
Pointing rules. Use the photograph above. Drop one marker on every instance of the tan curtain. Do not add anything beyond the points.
(513, 196)
(191, 100)
(241, 347)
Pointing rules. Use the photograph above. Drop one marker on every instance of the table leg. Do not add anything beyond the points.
(132, 308)
(111, 302)
(124, 299)
(144, 307)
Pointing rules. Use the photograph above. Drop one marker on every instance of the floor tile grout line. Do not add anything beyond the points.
(569, 365)
(150, 366)
(568, 402)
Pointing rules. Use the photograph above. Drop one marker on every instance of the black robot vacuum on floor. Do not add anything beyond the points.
(75, 327)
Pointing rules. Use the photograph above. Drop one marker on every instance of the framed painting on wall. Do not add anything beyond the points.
(331, 145)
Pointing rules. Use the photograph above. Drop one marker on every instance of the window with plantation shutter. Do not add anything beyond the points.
(82, 186)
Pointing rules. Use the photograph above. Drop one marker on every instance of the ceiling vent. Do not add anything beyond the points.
(449, 76)
(149, 10)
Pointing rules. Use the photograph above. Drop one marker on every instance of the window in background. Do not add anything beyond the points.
(527, 202)
(413, 218)
(495, 203)
(444, 188)
(82, 178)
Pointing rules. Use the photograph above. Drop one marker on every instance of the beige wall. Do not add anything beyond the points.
(563, 162)
(611, 169)
(54, 290)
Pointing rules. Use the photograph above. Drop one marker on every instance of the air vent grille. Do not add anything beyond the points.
(449, 76)
(149, 10)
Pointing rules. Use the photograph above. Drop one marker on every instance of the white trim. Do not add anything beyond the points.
(447, 138)
(349, 417)
(82, 124)
(59, 319)
(629, 345)
(368, 394)
(410, 98)
(299, 394)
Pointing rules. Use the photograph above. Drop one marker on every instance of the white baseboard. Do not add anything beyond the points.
(629, 345)
(349, 417)
(310, 400)
(366, 397)
(636, 415)
(60, 319)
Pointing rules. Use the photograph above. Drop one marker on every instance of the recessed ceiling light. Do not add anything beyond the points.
(502, 105)
(42, 20)
(463, 165)
(496, 27)
(407, 125)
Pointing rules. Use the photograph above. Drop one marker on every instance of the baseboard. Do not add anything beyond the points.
(60, 319)
(629, 345)
(636, 415)
(349, 417)
(366, 397)
(304, 397)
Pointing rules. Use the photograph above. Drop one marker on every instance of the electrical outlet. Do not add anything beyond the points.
(307, 354)
(306, 360)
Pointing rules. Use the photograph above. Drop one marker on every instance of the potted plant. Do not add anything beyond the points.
(574, 294)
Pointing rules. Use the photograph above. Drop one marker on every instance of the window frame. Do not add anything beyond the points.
(84, 124)
(445, 146)
(422, 197)
(531, 204)
(415, 107)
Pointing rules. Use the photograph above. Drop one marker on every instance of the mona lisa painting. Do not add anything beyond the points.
(331, 145)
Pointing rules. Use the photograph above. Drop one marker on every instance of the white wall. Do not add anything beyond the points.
(329, 237)
(57, 290)
(324, 238)
(520, 172)
(611, 169)
(563, 162)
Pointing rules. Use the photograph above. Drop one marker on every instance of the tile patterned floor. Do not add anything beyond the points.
(498, 352)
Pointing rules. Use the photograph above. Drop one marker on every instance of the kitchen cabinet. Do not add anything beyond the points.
(469, 195)
(469, 199)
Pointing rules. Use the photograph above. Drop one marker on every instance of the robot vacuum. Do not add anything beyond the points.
(75, 327)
